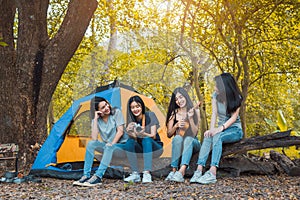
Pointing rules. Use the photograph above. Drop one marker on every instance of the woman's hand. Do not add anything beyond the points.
(181, 123)
(97, 114)
(212, 132)
(108, 144)
(191, 112)
(208, 133)
(131, 134)
(141, 132)
(130, 127)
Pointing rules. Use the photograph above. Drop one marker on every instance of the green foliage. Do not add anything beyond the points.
(257, 41)
(280, 125)
(127, 185)
(281, 122)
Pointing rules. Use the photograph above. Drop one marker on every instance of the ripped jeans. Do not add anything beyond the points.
(108, 151)
(231, 134)
(183, 147)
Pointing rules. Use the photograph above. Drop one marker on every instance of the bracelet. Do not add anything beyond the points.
(223, 127)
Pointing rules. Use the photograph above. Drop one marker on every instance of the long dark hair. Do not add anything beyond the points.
(95, 106)
(139, 100)
(173, 105)
(229, 92)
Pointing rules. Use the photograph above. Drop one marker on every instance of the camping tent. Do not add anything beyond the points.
(62, 154)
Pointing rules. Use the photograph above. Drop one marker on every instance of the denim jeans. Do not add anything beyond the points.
(148, 147)
(108, 151)
(231, 134)
(183, 147)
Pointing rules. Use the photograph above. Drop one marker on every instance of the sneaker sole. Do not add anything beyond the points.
(195, 181)
(210, 182)
(90, 185)
(146, 181)
(133, 181)
(78, 184)
(169, 179)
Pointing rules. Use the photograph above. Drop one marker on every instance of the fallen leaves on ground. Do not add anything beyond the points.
(244, 187)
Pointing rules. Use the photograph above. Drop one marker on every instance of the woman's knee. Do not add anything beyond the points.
(188, 141)
(92, 144)
(177, 139)
(109, 149)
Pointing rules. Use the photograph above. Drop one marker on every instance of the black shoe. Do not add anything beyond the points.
(32, 178)
(94, 181)
(81, 180)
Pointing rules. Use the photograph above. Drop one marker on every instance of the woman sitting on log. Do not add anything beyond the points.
(183, 123)
(226, 102)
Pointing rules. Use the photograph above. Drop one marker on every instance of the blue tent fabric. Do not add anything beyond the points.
(44, 164)
(47, 153)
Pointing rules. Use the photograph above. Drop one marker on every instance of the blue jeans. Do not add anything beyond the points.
(148, 147)
(183, 147)
(108, 151)
(231, 134)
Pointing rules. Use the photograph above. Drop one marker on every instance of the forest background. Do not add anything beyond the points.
(58, 51)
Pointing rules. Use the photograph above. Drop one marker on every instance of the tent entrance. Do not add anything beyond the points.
(76, 139)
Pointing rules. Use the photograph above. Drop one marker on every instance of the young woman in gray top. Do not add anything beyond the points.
(226, 103)
(109, 122)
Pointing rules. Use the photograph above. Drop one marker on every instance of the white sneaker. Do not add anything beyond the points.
(170, 176)
(134, 177)
(207, 178)
(146, 177)
(178, 177)
(197, 175)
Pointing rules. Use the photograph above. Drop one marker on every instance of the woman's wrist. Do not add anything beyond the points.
(171, 132)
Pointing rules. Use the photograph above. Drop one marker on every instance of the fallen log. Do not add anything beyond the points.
(277, 139)
(235, 160)
(244, 164)
(239, 162)
(285, 163)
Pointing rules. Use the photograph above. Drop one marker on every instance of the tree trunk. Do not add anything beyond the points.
(33, 66)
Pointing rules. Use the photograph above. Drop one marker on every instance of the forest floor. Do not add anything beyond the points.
(243, 187)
